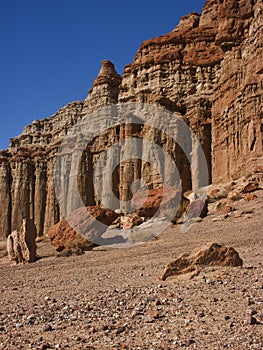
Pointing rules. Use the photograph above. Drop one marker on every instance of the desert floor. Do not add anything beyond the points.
(113, 298)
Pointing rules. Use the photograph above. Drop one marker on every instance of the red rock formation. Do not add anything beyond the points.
(237, 102)
(208, 70)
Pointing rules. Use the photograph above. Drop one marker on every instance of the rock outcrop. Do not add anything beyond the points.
(14, 248)
(213, 255)
(21, 245)
(208, 71)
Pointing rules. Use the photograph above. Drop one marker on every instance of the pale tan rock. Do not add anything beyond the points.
(13, 246)
(212, 255)
(27, 239)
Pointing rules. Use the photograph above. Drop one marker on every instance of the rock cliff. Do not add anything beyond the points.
(208, 70)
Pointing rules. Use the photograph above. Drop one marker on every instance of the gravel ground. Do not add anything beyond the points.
(113, 298)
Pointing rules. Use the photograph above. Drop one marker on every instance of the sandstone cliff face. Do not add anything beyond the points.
(237, 110)
(208, 70)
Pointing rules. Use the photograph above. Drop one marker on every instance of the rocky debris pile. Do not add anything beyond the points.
(234, 191)
(224, 199)
(130, 220)
(162, 202)
(21, 245)
(82, 229)
(213, 255)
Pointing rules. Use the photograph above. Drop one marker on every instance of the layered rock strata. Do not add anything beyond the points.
(208, 71)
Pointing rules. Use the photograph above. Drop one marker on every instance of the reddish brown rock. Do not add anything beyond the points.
(250, 196)
(153, 314)
(84, 226)
(250, 187)
(217, 194)
(149, 202)
(212, 255)
(226, 209)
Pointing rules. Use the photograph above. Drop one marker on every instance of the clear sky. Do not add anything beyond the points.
(51, 50)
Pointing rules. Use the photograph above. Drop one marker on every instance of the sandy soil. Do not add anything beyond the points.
(113, 299)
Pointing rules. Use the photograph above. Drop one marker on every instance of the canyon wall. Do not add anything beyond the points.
(208, 71)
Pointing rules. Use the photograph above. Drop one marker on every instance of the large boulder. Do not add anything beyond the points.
(82, 228)
(21, 245)
(148, 202)
(212, 255)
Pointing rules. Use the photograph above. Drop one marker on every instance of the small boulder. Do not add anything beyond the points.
(212, 255)
(132, 220)
(226, 209)
(250, 196)
(197, 208)
(250, 187)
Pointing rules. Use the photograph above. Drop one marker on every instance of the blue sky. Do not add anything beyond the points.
(51, 50)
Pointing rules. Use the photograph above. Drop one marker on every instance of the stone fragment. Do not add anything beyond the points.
(250, 196)
(234, 195)
(10, 246)
(226, 209)
(129, 221)
(217, 194)
(250, 187)
(153, 314)
(212, 255)
(47, 328)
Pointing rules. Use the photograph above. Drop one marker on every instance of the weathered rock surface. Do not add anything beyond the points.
(83, 228)
(197, 208)
(156, 202)
(27, 237)
(13, 247)
(208, 70)
(213, 255)
(21, 245)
